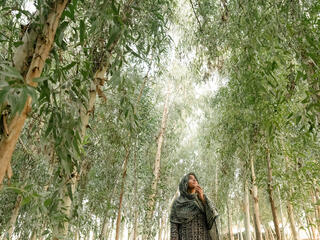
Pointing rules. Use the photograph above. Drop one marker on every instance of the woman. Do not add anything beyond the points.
(193, 216)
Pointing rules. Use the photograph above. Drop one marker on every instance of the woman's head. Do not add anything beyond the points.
(192, 181)
(188, 182)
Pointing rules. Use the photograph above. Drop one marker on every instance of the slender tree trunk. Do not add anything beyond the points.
(266, 233)
(77, 235)
(231, 237)
(216, 183)
(125, 168)
(156, 169)
(104, 228)
(240, 235)
(271, 200)
(255, 203)
(295, 233)
(269, 230)
(130, 232)
(315, 198)
(283, 234)
(124, 173)
(14, 216)
(247, 211)
(110, 230)
(85, 113)
(135, 226)
(161, 226)
(311, 226)
(121, 231)
(40, 54)
(33, 235)
(60, 232)
(253, 234)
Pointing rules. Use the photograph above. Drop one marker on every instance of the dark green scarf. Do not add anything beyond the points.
(187, 206)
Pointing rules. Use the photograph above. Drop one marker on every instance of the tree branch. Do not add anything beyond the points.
(194, 12)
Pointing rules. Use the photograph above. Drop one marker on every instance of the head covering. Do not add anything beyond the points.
(187, 205)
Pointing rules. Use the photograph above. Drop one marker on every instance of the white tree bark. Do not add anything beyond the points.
(295, 233)
(247, 211)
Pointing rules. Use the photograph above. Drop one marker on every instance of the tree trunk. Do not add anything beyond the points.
(230, 223)
(266, 233)
(122, 231)
(156, 169)
(255, 203)
(130, 231)
(247, 211)
(60, 231)
(14, 216)
(161, 226)
(85, 113)
(270, 192)
(283, 234)
(311, 225)
(295, 233)
(240, 235)
(77, 235)
(253, 234)
(110, 230)
(104, 228)
(315, 198)
(216, 183)
(135, 227)
(33, 235)
(124, 173)
(41, 52)
(270, 232)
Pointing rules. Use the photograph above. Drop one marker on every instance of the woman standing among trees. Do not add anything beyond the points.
(193, 217)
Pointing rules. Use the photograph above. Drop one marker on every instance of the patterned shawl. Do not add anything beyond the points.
(187, 206)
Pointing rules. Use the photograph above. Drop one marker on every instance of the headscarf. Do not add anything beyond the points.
(188, 205)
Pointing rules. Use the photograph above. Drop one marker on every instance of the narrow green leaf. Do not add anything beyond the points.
(82, 32)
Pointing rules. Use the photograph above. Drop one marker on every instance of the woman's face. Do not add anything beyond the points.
(192, 183)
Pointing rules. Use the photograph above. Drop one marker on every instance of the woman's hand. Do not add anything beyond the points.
(200, 193)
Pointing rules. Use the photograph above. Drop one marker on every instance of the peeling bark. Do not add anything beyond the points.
(43, 46)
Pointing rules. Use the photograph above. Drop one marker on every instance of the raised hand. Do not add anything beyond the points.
(200, 193)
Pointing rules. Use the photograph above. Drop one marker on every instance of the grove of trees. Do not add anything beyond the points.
(106, 104)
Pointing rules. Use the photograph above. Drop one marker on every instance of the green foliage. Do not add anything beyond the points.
(266, 56)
